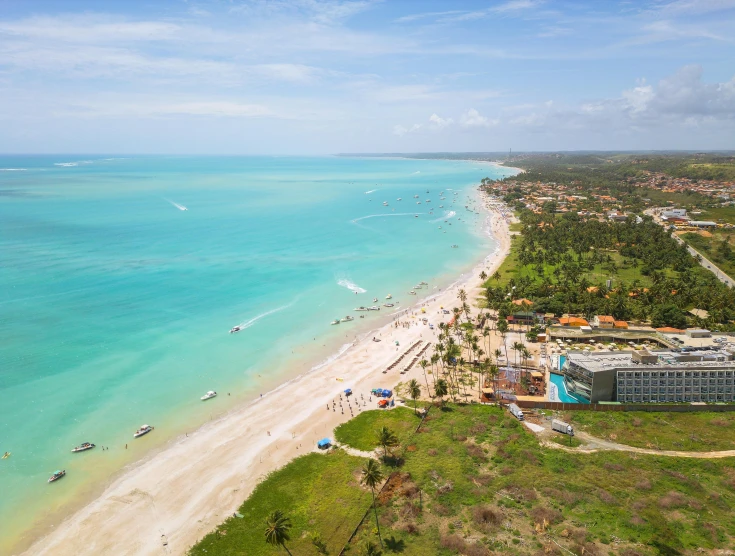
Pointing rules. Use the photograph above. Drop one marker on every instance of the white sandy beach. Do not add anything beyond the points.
(181, 493)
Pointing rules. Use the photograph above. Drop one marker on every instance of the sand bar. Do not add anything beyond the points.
(182, 492)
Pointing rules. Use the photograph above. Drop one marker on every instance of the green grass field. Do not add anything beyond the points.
(663, 431)
(319, 493)
(360, 433)
(474, 481)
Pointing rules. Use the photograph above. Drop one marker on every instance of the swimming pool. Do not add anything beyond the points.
(558, 391)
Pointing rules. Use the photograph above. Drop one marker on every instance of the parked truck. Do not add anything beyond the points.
(562, 427)
(516, 411)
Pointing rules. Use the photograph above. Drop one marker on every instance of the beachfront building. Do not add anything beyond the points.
(651, 376)
(603, 321)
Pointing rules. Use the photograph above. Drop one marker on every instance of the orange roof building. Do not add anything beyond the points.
(620, 324)
(669, 330)
(573, 321)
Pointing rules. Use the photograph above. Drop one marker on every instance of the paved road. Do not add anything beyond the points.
(706, 263)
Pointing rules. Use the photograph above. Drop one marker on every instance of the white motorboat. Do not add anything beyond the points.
(428, 200)
(389, 296)
(385, 203)
(209, 395)
(235, 329)
(441, 206)
(83, 447)
(412, 292)
(374, 308)
(455, 246)
(415, 215)
(388, 305)
(145, 429)
(440, 227)
(56, 476)
(375, 299)
(424, 283)
(361, 308)
(335, 321)
(348, 318)
(415, 196)
(399, 199)
(418, 202)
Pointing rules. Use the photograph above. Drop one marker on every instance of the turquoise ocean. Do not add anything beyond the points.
(116, 303)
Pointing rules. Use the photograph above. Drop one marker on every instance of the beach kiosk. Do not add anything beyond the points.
(323, 444)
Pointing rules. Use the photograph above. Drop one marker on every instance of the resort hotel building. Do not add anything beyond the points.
(651, 376)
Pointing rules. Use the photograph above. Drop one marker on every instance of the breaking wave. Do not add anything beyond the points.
(371, 191)
(13, 169)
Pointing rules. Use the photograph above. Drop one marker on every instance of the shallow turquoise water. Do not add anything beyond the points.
(115, 305)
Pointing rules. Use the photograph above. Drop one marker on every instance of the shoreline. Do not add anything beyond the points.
(186, 487)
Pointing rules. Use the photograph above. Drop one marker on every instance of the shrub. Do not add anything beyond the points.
(643, 484)
(672, 499)
(453, 542)
(550, 515)
(487, 515)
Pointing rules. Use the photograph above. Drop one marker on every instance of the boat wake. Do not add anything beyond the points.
(447, 215)
(350, 286)
(252, 321)
(177, 205)
(371, 191)
(416, 172)
(13, 169)
(380, 215)
(70, 164)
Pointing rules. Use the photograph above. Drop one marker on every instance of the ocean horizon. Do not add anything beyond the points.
(122, 277)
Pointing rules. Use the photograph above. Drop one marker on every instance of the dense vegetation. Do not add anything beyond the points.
(562, 264)
(474, 481)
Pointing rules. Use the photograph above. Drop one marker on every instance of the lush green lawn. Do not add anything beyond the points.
(718, 214)
(663, 431)
(474, 480)
(511, 268)
(360, 432)
(318, 492)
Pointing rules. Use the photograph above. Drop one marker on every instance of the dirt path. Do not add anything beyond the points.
(594, 444)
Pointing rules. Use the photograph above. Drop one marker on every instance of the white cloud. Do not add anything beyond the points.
(472, 118)
(437, 122)
(150, 109)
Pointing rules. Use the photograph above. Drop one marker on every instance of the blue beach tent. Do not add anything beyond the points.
(323, 444)
(348, 392)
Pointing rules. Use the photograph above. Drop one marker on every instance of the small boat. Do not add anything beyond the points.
(385, 203)
(6, 455)
(375, 299)
(83, 447)
(417, 287)
(428, 200)
(145, 429)
(455, 246)
(440, 227)
(335, 321)
(399, 199)
(348, 318)
(441, 206)
(361, 308)
(56, 476)
(418, 202)
(374, 308)
(235, 329)
(415, 215)
(388, 305)
(415, 196)
(412, 292)
(424, 283)
(208, 396)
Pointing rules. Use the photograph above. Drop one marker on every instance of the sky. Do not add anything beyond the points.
(329, 76)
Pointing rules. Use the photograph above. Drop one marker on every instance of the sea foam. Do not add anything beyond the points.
(13, 169)
(350, 286)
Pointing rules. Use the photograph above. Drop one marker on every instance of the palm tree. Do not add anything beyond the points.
(441, 389)
(369, 549)
(423, 364)
(372, 476)
(387, 439)
(414, 390)
(277, 527)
